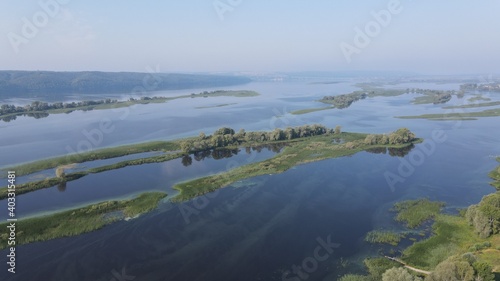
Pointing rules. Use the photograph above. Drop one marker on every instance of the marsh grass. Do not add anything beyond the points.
(78, 221)
(385, 237)
(414, 212)
(101, 154)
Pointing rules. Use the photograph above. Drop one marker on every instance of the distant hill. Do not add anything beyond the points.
(50, 83)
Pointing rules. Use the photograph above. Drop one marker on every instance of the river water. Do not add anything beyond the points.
(260, 228)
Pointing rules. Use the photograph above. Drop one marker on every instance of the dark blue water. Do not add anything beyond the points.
(260, 228)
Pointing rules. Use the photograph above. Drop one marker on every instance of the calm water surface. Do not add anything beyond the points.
(257, 229)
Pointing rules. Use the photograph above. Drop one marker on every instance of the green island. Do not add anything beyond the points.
(38, 109)
(370, 91)
(464, 247)
(214, 106)
(455, 115)
(82, 220)
(302, 144)
(474, 105)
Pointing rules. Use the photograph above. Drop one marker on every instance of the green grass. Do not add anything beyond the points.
(106, 153)
(309, 110)
(456, 116)
(479, 98)
(452, 235)
(484, 104)
(414, 212)
(214, 106)
(386, 237)
(78, 221)
(297, 152)
(49, 182)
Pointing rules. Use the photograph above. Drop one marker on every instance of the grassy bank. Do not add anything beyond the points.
(78, 221)
(299, 151)
(475, 105)
(309, 110)
(101, 154)
(49, 182)
(456, 116)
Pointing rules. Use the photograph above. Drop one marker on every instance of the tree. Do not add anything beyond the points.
(483, 271)
(398, 274)
(60, 172)
(186, 146)
(202, 136)
(338, 129)
(224, 131)
(186, 160)
(452, 270)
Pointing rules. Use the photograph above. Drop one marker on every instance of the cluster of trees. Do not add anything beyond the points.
(442, 98)
(456, 268)
(400, 136)
(485, 216)
(483, 87)
(38, 106)
(344, 101)
(462, 268)
(228, 137)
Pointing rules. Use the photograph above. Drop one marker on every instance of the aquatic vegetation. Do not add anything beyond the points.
(415, 212)
(82, 220)
(381, 236)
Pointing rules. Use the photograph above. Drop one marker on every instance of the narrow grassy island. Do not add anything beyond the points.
(78, 221)
(369, 91)
(302, 145)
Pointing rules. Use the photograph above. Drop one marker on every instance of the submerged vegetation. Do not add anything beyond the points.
(82, 220)
(414, 212)
(381, 236)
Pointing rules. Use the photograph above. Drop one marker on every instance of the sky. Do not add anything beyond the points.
(424, 36)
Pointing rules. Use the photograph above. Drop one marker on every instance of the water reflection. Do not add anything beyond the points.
(218, 154)
(37, 115)
(393, 151)
(61, 187)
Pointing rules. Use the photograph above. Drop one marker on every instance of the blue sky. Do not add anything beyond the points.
(435, 37)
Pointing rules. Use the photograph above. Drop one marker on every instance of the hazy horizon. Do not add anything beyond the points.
(196, 36)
